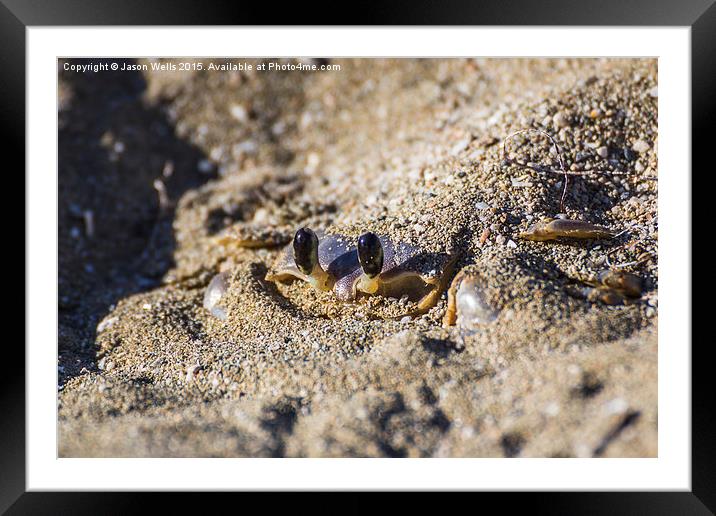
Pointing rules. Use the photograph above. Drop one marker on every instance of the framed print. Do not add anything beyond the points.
(360, 258)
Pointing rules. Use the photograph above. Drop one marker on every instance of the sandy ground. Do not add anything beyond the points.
(156, 167)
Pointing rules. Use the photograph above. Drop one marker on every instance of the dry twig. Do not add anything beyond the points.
(563, 170)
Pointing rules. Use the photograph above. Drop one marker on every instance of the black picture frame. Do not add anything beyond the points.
(17, 15)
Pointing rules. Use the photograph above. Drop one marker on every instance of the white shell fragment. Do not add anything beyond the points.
(214, 292)
(473, 310)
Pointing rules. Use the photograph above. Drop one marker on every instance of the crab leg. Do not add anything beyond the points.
(431, 299)
(565, 228)
(450, 316)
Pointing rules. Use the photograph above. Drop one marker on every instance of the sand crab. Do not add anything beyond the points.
(371, 265)
(376, 266)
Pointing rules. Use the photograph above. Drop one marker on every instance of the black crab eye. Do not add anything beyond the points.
(370, 254)
(305, 250)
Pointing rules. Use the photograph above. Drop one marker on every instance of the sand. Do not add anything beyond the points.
(155, 167)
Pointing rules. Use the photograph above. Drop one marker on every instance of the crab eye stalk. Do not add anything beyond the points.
(305, 254)
(370, 254)
(370, 257)
(305, 250)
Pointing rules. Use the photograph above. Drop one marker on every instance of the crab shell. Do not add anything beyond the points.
(407, 270)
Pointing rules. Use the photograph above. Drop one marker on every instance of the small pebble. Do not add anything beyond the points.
(516, 183)
(217, 153)
(106, 323)
(459, 147)
(191, 372)
(484, 236)
(88, 216)
(245, 147)
(616, 406)
(205, 166)
(239, 113)
(581, 156)
(552, 409)
(560, 120)
(640, 146)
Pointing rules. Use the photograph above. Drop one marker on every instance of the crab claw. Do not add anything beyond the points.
(305, 254)
(370, 257)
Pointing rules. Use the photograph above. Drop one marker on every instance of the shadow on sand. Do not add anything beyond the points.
(114, 240)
